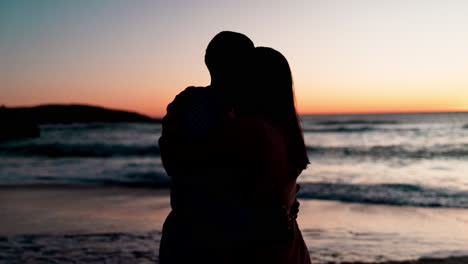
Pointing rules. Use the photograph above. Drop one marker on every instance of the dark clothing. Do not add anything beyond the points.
(232, 198)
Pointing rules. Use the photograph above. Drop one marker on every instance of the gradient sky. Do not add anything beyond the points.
(346, 55)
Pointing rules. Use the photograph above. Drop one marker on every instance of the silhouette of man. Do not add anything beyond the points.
(187, 149)
(196, 111)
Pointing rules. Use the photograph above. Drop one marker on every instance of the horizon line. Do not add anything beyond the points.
(385, 112)
(299, 113)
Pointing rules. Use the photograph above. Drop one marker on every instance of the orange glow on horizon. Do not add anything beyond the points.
(158, 111)
(352, 57)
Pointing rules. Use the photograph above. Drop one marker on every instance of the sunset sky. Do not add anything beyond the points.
(346, 55)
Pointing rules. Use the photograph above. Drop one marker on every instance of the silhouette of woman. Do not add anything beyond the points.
(234, 197)
(277, 154)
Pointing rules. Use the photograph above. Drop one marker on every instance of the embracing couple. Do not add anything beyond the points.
(234, 151)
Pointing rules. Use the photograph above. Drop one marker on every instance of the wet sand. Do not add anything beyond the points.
(93, 224)
(450, 260)
(346, 232)
(65, 209)
(81, 224)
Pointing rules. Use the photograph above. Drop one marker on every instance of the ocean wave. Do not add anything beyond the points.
(83, 127)
(137, 179)
(80, 126)
(78, 150)
(388, 194)
(359, 129)
(396, 151)
(357, 122)
(123, 182)
(341, 129)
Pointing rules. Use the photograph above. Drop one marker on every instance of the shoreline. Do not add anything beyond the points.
(39, 218)
(448, 260)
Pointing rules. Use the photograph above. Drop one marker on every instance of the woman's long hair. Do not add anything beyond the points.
(272, 96)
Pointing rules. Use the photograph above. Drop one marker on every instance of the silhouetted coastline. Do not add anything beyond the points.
(73, 113)
(22, 122)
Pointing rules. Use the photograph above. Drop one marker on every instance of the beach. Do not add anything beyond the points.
(363, 103)
(380, 187)
(114, 224)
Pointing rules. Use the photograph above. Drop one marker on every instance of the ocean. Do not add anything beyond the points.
(408, 160)
(417, 159)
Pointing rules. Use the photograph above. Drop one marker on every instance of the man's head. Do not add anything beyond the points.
(227, 57)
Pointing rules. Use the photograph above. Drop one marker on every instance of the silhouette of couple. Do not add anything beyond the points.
(234, 150)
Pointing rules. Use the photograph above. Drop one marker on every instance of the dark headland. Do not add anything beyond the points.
(21, 122)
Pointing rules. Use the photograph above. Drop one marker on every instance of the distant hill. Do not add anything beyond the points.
(22, 122)
(66, 114)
